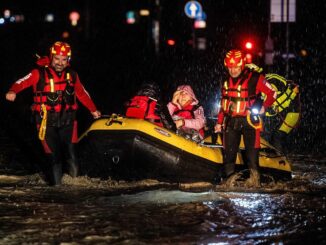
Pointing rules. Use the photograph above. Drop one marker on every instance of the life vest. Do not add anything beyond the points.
(56, 94)
(188, 112)
(143, 107)
(239, 95)
(287, 100)
(287, 91)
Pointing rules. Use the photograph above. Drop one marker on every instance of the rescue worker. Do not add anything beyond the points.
(284, 115)
(187, 114)
(56, 86)
(241, 93)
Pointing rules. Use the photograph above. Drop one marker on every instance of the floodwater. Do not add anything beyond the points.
(93, 211)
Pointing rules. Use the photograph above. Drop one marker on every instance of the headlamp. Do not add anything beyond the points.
(255, 109)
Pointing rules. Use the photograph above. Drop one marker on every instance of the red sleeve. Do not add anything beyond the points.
(220, 114)
(83, 96)
(27, 81)
(172, 108)
(220, 117)
(263, 86)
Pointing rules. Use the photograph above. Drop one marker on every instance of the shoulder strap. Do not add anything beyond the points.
(149, 101)
(45, 70)
(252, 83)
(72, 73)
(41, 80)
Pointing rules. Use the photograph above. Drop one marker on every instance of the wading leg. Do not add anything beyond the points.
(72, 161)
(51, 145)
(55, 170)
(67, 136)
(231, 146)
(250, 141)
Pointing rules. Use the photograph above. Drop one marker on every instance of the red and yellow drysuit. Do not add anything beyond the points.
(238, 96)
(55, 97)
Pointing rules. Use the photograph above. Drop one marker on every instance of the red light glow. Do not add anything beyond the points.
(171, 42)
(249, 45)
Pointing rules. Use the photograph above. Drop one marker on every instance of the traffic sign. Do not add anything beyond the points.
(201, 16)
(283, 10)
(193, 9)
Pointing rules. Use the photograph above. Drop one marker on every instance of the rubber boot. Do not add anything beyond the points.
(254, 180)
(219, 177)
(72, 168)
(229, 176)
(53, 170)
(229, 169)
(56, 174)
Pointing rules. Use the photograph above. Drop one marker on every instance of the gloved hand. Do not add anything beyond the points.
(218, 128)
(96, 114)
(11, 96)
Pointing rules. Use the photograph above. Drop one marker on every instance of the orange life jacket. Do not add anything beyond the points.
(143, 107)
(56, 94)
(188, 113)
(239, 95)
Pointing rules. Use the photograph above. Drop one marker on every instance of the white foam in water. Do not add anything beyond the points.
(163, 197)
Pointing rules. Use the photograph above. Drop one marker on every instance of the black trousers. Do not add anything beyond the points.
(236, 127)
(59, 146)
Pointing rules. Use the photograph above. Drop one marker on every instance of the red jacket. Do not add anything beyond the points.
(32, 79)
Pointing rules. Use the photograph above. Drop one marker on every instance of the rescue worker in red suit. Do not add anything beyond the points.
(187, 114)
(240, 92)
(56, 87)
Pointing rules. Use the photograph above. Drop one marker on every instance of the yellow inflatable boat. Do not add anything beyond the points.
(132, 149)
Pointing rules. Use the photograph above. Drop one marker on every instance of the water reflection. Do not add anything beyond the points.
(93, 211)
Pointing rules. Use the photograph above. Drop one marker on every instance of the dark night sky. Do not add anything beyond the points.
(229, 23)
(116, 57)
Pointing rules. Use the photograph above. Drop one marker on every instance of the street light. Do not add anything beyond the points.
(131, 17)
(74, 17)
(170, 42)
(249, 58)
(249, 45)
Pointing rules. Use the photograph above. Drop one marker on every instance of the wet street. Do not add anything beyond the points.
(116, 48)
(93, 211)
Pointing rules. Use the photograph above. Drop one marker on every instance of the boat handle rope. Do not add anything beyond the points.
(111, 121)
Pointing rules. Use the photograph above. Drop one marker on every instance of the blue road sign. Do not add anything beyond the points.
(193, 9)
(201, 16)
